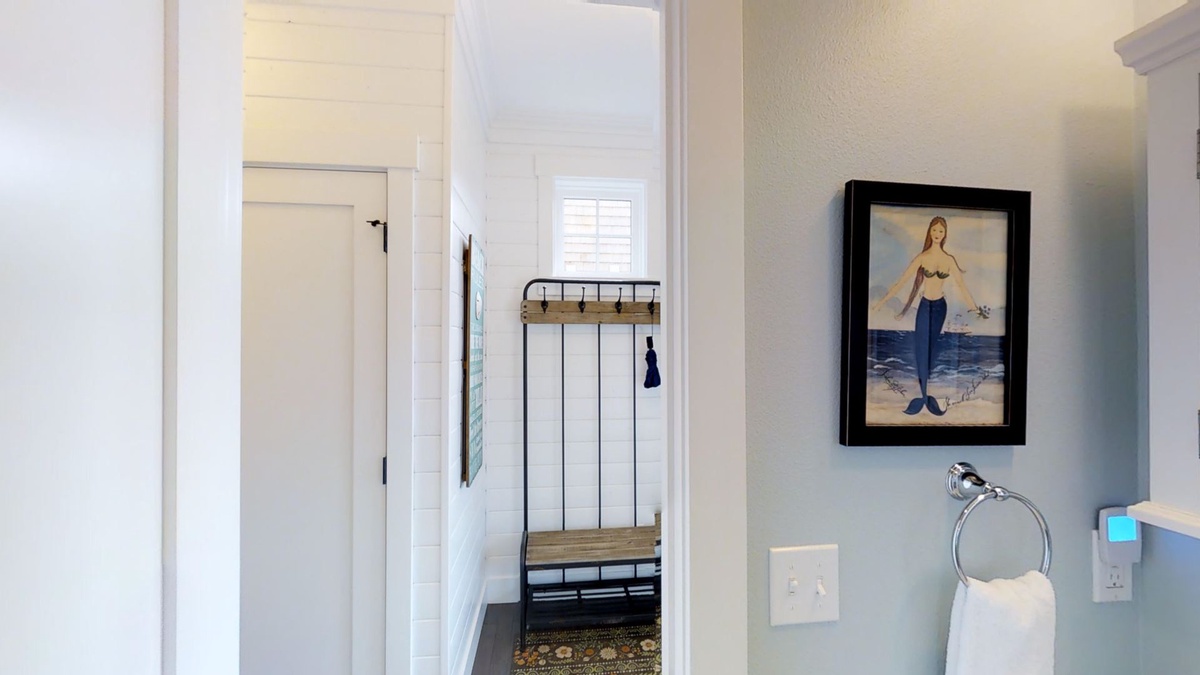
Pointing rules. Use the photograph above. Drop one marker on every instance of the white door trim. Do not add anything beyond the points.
(202, 272)
(401, 186)
(706, 615)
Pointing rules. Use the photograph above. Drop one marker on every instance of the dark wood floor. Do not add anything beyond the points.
(500, 628)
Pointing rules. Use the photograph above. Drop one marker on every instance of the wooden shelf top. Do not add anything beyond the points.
(606, 546)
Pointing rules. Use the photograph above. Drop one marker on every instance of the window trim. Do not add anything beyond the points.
(633, 190)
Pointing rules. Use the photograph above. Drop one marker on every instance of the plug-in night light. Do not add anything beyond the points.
(1120, 537)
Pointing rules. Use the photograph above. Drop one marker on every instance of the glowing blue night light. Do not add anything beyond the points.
(1122, 528)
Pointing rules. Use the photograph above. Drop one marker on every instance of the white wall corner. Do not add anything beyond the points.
(1162, 41)
(471, 29)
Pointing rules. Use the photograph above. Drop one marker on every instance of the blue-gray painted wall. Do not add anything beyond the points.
(1022, 94)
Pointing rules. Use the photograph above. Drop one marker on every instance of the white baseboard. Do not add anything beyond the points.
(503, 590)
(465, 666)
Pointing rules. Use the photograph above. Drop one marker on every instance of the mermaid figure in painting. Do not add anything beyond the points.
(929, 272)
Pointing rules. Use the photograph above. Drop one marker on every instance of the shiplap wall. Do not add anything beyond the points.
(466, 506)
(358, 69)
(513, 249)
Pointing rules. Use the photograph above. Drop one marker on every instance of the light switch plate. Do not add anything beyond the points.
(804, 584)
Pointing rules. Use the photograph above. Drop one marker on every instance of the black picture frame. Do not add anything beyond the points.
(858, 296)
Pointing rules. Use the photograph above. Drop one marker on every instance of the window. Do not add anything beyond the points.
(599, 227)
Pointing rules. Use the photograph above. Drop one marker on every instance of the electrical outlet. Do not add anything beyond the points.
(1110, 583)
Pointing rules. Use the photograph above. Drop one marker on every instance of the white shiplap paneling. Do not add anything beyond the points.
(513, 246)
(464, 557)
(361, 17)
(370, 69)
(337, 45)
(330, 82)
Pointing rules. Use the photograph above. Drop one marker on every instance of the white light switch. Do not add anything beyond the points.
(804, 584)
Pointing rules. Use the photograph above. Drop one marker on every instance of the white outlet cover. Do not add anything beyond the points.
(814, 569)
(1110, 583)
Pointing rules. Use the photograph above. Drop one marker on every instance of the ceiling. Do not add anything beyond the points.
(597, 64)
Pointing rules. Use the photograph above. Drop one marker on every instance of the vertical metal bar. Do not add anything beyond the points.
(525, 598)
(599, 425)
(633, 367)
(525, 419)
(562, 417)
(633, 363)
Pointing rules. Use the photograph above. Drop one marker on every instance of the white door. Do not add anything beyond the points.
(314, 325)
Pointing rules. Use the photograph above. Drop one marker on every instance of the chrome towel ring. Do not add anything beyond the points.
(963, 483)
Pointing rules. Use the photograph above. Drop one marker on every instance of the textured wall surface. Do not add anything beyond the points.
(1024, 95)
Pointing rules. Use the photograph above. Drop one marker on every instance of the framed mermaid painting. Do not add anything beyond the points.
(935, 315)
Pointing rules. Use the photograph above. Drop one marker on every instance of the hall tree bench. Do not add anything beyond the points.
(626, 587)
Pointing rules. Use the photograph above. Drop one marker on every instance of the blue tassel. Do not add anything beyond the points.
(652, 377)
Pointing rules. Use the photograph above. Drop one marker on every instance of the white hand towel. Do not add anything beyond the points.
(1002, 627)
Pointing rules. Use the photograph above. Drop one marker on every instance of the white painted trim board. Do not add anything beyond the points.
(202, 338)
(400, 398)
(705, 617)
(448, 372)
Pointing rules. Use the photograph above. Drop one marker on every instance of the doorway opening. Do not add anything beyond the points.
(571, 99)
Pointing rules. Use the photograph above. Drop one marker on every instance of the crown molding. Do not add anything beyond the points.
(1162, 41)
(472, 29)
(515, 118)
(541, 128)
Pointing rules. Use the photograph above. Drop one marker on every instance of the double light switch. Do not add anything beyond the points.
(804, 584)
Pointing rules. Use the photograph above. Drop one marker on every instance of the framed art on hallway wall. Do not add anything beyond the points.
(474, 299)
(935, 315)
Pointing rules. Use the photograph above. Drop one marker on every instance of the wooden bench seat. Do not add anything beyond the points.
(612, 545)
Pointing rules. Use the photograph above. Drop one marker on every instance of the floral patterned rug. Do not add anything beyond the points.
(629, 650)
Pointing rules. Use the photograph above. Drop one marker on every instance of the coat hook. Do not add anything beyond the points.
(620, 294)
(545, 304)
(582, 298)
(650, 306)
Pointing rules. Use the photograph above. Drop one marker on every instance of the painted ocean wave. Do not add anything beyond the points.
(960, 356)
